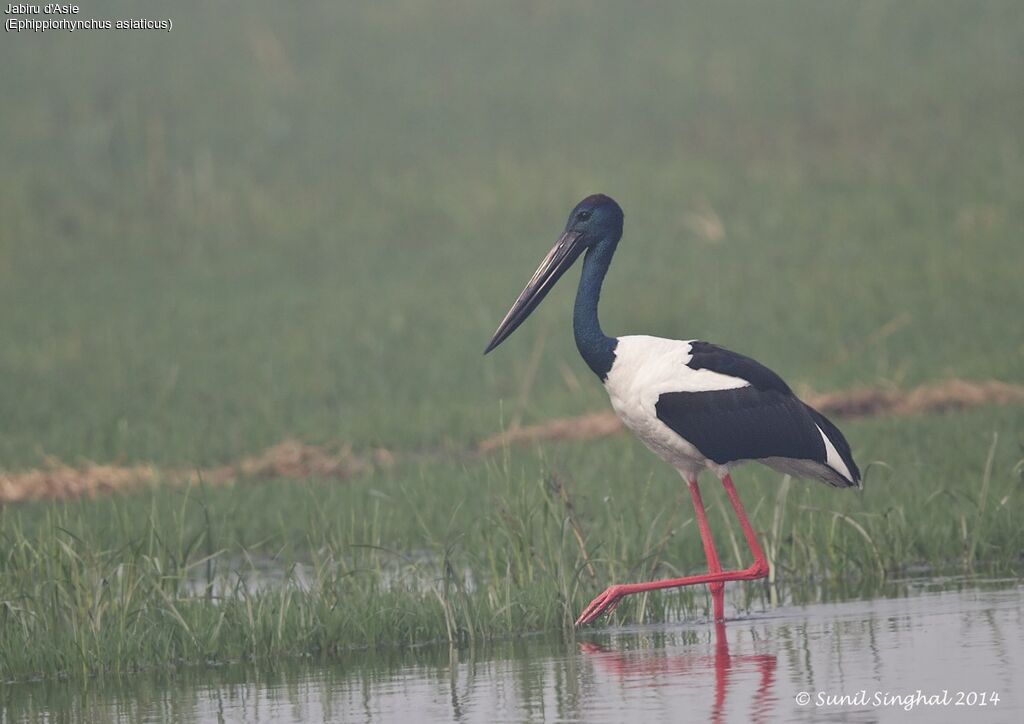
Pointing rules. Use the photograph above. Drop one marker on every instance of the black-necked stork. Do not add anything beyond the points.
(694, 404)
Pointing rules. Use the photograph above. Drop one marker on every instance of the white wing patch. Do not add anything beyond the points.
(644, 369)
(646, 366)
(833, 459)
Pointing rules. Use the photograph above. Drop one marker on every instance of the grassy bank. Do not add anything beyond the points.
(470, 552)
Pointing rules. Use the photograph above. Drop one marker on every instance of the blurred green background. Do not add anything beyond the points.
(306, 219)
(284, 219)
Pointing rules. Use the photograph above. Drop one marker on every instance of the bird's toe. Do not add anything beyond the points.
(605, 603)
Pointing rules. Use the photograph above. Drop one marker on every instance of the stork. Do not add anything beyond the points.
(696, 405)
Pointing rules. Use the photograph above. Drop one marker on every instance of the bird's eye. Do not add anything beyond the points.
(583, 215)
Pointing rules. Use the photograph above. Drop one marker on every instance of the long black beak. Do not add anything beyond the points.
(562, 255)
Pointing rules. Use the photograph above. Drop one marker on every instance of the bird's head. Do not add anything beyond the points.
(595, 223)
(596, 219)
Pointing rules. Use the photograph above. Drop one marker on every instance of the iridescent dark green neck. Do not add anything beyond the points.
(597, 350)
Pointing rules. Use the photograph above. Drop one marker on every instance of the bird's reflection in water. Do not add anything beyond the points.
(658, 671)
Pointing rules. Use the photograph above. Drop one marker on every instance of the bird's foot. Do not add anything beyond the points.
(605, 603)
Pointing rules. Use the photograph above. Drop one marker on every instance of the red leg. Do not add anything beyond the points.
(607, 601)
(717, 589)
(723, 665)
(760, 564)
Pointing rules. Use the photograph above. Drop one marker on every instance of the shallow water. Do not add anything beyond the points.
(878, 653)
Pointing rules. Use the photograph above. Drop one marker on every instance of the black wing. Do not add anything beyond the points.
(707, 356)
(764, 420)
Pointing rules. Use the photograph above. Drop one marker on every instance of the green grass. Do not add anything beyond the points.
(271, 224)
(122, 583)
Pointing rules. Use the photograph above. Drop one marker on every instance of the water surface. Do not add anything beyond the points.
(876, 653)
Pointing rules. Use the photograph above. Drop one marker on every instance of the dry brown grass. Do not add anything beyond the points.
(584, 427)
(953, 394)
(58, 480)
(288, 460)
(294, 460)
